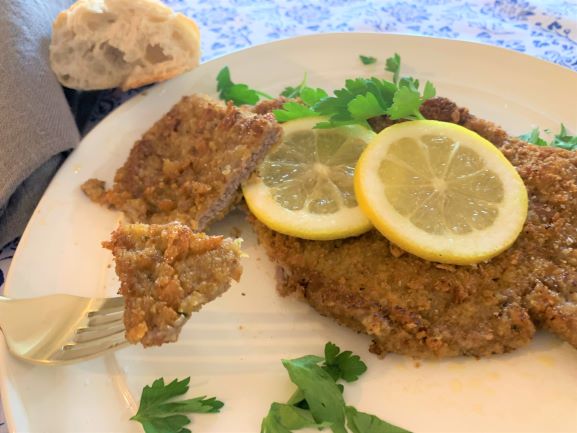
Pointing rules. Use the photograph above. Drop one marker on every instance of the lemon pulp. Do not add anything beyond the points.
(441, 192)
(305, 187)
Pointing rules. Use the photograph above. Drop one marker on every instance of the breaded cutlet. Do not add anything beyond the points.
(189, 165)
(167, 272)
(419, 308)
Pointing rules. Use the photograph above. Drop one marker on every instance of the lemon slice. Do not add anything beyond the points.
(305, 186)
(441, 192)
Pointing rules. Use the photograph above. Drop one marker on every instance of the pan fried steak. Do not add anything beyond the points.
(414, 307)
(188, 167)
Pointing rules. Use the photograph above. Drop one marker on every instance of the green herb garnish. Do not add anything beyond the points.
(360, 422)
(294, 92)
(362, 99)
(534, 137)
(393, 64)
(158, 413)
(367, 60)
(239, 94)
(562, 139)
(318, 401)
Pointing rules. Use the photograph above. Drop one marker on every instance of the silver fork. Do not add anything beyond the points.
(59, 329)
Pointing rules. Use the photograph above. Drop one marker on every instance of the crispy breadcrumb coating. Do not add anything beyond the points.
(419, 308)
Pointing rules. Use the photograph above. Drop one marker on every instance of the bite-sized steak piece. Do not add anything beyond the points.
(166, 273)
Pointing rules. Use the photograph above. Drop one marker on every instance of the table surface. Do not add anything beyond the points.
(543, 28)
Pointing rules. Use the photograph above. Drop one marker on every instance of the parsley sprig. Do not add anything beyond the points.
(318, 401)
(309, 96)
(159, 413)
(367, 60)
(361, 99)
(563, 139)
(238, 93)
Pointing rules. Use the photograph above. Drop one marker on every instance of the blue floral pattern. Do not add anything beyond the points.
(543, 28)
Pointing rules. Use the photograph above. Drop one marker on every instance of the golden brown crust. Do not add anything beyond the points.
(424, 309)
(189, 165)
(166, 273)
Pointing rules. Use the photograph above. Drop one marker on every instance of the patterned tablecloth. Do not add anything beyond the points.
(543, 28)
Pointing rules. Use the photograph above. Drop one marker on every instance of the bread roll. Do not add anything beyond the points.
(102, 44)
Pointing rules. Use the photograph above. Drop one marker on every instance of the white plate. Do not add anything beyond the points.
(232, 348)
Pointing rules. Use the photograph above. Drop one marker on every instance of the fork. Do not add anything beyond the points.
(60, 329)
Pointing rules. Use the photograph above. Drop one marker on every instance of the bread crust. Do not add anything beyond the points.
(101, 44)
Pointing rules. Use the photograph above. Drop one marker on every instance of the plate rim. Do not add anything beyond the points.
(11, 419)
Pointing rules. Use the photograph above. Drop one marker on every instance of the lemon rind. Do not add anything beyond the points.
(346, 222)
(466, 249)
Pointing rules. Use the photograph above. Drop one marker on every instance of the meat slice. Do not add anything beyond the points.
(423, 309)
(166, 273)
(189, 165)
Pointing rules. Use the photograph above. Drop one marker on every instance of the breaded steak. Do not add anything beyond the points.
(414, 307)
(188, 167)
(166, 273)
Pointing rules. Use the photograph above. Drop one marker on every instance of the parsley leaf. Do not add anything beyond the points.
(363, 107)
(293, 110)
(294, 92)
(343, 365)
(358, 101)
(338, 107)
(562, 139)
(406, 103)
(429, 91)
(158, 414)
(393, 64)
(239, 94)
(367, 60)
(311, 96)
(282, 418)
(308, 95)
(360, 422)
(318, 401)
(324, 398)
(534, 137)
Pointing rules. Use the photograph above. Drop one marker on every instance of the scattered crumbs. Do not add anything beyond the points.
(258, 259)
(396, 251)
(235, 232)
(417, 364)
(240, 327)
(446, 267)
(243, 294)
(108, 266)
